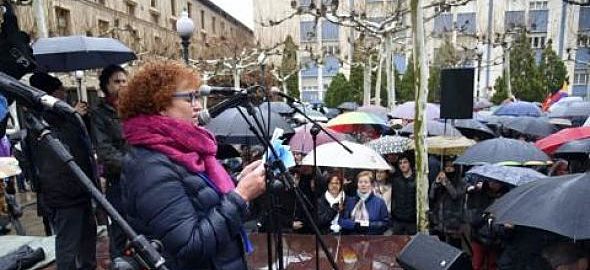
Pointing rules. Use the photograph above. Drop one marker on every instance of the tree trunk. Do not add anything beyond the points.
(378, 80)
(389, 73)
(284, 84)
(40, 20)
(421, 94)
(367, 82)
(236, 78)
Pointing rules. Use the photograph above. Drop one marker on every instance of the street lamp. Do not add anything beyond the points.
(479, 50)
(79, 74)
(185, 28)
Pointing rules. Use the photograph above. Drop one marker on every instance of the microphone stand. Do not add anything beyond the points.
(281, 171)
(145, 252)
(315, 130)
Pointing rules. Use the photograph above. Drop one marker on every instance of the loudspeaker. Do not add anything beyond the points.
(425, 252)
(456, 100)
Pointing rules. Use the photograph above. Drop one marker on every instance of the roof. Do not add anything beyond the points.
(226, 15)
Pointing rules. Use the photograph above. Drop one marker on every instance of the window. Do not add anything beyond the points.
(202, 19)
(189, 9)
(103, 27)
(307, 32)
(89, 33)
(173, 7)
(584, 23)
(155, 18)
(62, 18)
(204, 37)
(173, 25)
(222, 28)
(131, 9)
(102, 2)
(583, 41)
(537, 42)
(581, 78)
(330, 31)
(537, 5)
(153, 3)
(538, 20)
(466, 23)
(513, 19)
(213, 22)
(443, 23)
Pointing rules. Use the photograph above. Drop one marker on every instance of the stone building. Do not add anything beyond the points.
(146, 26)
(468, 26)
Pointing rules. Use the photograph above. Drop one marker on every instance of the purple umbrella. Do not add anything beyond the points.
(303, 142)
(519, 108)
(406, 111)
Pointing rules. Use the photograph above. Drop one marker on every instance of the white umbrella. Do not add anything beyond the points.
(334, 155)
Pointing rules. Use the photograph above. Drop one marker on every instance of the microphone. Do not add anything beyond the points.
(31, 96)
(205, 116)
(206, 90)
(289, 99)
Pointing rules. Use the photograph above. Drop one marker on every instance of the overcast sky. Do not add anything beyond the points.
(241, 9)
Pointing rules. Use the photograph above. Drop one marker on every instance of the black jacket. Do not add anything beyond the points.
(326, 213)
(446, 213)
(403, 202)
(108, 139)
(198, 228)
(58, 186)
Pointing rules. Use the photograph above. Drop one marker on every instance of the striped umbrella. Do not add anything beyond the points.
(357, 122)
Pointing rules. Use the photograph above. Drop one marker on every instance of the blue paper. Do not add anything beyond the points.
(284, 153)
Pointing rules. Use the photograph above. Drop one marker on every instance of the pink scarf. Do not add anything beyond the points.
(183, 142)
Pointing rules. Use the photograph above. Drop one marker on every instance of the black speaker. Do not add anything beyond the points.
(425, 252)
(456, 100)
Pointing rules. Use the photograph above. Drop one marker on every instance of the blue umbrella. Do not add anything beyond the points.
(519, 108)
(512, 175)
(64, 54)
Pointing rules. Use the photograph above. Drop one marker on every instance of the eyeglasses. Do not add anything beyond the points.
(191, 96)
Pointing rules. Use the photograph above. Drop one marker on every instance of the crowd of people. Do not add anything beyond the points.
(159, 170)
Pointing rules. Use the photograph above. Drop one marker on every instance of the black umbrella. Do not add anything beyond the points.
(277, 107)
(503, 151)
(535, 126)
(349, 106)
(578, 147)
(63, 54)
(472, 128)
(230, 128)
(225, 151)
(556, 204)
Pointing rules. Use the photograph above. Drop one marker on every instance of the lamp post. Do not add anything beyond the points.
(185, 28)
(479, 54)
(79, 74)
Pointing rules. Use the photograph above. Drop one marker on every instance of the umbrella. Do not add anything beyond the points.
(354, 122)
(374, 109)
(587, 123)
(552, 142)
(277, 107)
(535, 126)
(472, 128)
(302, 141)
(555, 204)
(564, 102)
(407, 110)
(331, 112)
(503, 151)
(576, 109)
(482, 103)
(434, 128)
(519, 108)
(63, 54)
(334, 155)
(348, 106)
(515, 176)
(578, 147)
(230, 128)
(313, 114)
(391, 145)
(448, 146)
(225, 151)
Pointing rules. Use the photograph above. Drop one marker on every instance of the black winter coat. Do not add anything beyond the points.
(199, 228)
(446, 214)
(58, 186)
(403, 201)
(108, 139)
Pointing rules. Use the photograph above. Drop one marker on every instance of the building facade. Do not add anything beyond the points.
(474, 29)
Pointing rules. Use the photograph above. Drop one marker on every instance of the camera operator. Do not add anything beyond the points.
(486, 235)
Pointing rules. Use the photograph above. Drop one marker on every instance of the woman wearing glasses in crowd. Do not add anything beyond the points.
(174, 189)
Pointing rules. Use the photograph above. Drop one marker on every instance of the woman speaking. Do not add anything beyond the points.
(174, 190)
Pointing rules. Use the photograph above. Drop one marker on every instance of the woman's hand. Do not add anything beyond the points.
(249, 168)
(252, 181)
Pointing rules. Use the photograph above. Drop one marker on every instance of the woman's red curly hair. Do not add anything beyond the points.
(152, 85)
